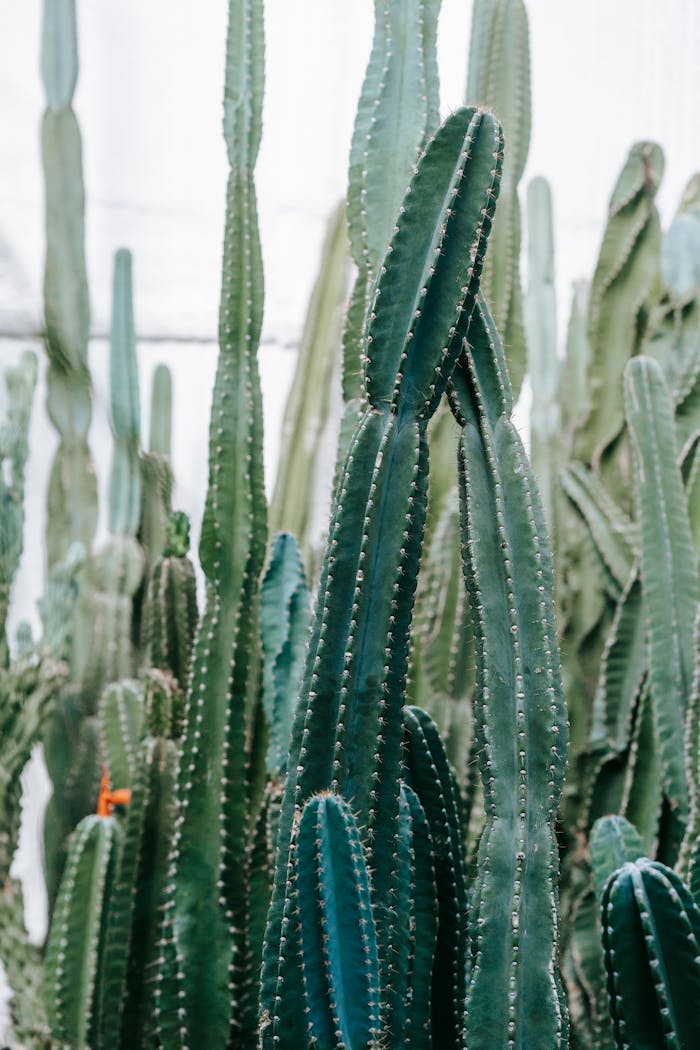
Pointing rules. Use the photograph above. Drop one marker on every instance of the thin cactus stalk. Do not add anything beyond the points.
(347, 732)
(688, 866)
(651, 941)
(170, 609)
(206, 970)
(520, 718)
(157, 474)
(499, 77)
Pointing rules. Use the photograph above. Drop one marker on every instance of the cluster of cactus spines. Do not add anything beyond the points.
(348, 725)
(626, 275)
(396, 114)
(519, 713)
(206, 968)
(651, 943)
(285, 612)
(76, 940)
(170, 616)
(305, 468)
(72, 487)
(499, 77)
(338, 937)
(668, 569)
(542, 361)
(432, 780)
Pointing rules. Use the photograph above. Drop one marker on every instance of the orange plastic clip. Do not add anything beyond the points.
(107, 799)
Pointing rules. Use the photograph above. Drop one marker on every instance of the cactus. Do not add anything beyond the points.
(76, 940)
(520, 719)
(170, 618)
(499, 77)
(651, 941)
(206, 970)
(347, 731)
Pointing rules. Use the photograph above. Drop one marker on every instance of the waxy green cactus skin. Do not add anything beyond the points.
(651, 942)
(338, 937)
(74, 950)
(499, 78)
(520, 719)
(206, 968)
(347, 733)
(122, 715)
(170, 612)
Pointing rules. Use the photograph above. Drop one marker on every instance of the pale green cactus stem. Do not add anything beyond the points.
(20, 381)
(520, 716)
(156, 474)
(627, 274)
(542, 361)
(669, 576)
(348, 727)
(72, 488)
(499, 77)
(305, 468)
(206, 970)
(170, 614)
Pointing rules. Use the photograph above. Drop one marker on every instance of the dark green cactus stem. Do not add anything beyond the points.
(430, 776)
(626, 274)
(76, 939)
(613, 843)
(348, 726)
(206, 969)
(157, 473)
(520, 717)
(613, 533)
(122, 717)
(338, 937)
(499, 77)
(170, 616)
(688, 866)
(651, 941)
(669, 574)
(72, 487)
(284, 619)
(305, 468)
(125, 480)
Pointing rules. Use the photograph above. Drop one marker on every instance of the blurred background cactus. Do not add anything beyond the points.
(352, 828)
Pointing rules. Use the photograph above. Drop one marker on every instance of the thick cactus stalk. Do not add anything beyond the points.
(122, 716)
(284, 621)
(305, 468)
(499, 77)
(205, 968)
(613, 843)
(626, 274)
(76, 939)
(339, 943)
(542, 361)
(520, 717)
(669, 573)
(651, 941)
(72, 488)
(170, 611)
(348, 726)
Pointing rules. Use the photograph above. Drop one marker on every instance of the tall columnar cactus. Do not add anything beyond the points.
(305, 467)
(206, 971)
(348, 726)
(156, 473)
(170, 618)
(397, 112)
(72, 488)
(499, 77)
(651, 941)
(520, 717)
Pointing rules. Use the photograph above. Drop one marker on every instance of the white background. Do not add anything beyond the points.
(605, 74)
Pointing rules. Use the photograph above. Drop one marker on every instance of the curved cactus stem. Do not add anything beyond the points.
(520, 718)
(626, 274)
(76, 939)
(206, 971)
(613, 532)
(499, 78)
(284, 615)
(170, 613)
(430, 776)
(614, 842)
(669, 572)
(339, 946)
(642, 789)
(348, 727)
(651, 941)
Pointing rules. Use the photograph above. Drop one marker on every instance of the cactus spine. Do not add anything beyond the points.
(206, 968)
